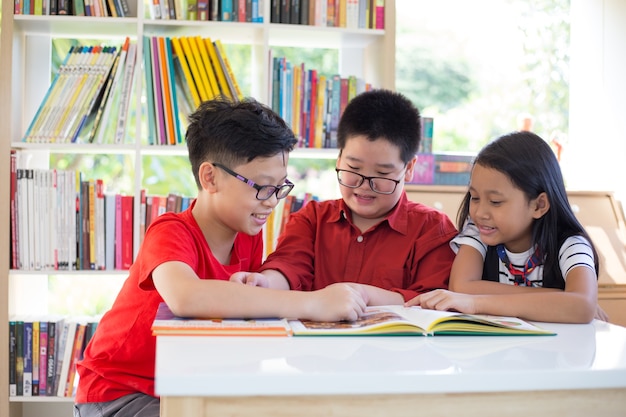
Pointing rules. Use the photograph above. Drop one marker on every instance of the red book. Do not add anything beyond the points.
(127, 231)
(118, 231)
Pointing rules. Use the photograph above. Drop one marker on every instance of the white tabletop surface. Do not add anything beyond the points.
(578, 357)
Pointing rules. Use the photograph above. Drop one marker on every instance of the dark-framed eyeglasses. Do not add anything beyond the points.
(263, 192)
(379, 185)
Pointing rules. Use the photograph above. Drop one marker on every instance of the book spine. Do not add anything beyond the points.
(43, 357)
(27, 381)
(12, 358)
(127, 231)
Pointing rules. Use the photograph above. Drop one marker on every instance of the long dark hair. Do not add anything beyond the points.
(529, 162)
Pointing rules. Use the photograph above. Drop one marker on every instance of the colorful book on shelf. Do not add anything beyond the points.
(126, 93)
(228, 71)
(218, 68)
(186, 70)
(167, 324)
(203, 48)
(161, 133)
(150, 102)
(415, 321)
(195, 69)
(167, 92)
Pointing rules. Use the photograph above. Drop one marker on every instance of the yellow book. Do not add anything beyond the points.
(204, 95)
(320, 111)
(229, 69)
(204, 78)
(178, 50)
(295, 102)
(219, 72)
(206, 61)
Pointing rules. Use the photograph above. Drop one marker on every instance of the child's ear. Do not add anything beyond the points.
(207, 176)
(410, 167)
(542, 205)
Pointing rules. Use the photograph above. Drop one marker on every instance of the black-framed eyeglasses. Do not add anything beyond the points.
(263, 192)
(379, 185)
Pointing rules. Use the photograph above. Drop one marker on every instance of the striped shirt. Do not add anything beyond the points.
(575, 251)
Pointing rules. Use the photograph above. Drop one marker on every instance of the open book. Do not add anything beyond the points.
(415, 321)
(166, 323)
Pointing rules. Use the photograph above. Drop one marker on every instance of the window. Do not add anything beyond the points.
(479, 67)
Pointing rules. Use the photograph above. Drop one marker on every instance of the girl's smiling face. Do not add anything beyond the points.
(502, 211)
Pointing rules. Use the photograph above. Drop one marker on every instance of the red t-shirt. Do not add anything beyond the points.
(121, 356)
(408, 252)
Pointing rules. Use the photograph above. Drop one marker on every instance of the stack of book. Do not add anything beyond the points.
(43, 352)
(182, 72)
(92, 88)
(310, 102)
(98, 8)
(222, 11)
(351, 14)
(60, 220)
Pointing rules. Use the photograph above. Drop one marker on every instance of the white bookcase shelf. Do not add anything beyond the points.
(25, 53)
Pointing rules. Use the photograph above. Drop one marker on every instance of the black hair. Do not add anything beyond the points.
(232, 133)
(382, 114)
(531, 165)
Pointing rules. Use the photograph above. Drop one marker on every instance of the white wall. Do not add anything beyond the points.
(596, 154)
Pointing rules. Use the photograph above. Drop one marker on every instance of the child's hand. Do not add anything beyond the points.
(250, 278)
(445, 300)
(339, 301)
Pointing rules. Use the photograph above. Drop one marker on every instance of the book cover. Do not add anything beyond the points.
(220, 76)
(398, 320)
(186, 70)
(204, 46)
(166, 323)
(202, 74)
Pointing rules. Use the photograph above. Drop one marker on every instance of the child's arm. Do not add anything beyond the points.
(266, 279)
(576, 304)
(189, 296)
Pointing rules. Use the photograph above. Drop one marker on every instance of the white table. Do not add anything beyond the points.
(581, 371)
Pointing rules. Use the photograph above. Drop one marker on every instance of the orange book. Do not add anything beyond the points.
(167, 92)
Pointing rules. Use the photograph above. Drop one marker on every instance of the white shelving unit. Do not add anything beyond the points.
(25, 56)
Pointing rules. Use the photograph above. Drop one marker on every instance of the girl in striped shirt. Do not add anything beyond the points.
(521, 251)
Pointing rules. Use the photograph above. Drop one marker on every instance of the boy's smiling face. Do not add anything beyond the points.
(379, 158)
(237, 204)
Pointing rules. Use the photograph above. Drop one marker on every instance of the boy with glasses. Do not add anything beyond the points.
(238, 154)
(373, 237)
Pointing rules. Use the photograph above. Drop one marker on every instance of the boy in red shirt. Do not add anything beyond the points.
(238, 154)
(373, 237)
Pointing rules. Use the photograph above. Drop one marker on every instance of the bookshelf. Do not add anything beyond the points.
(25, 53)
